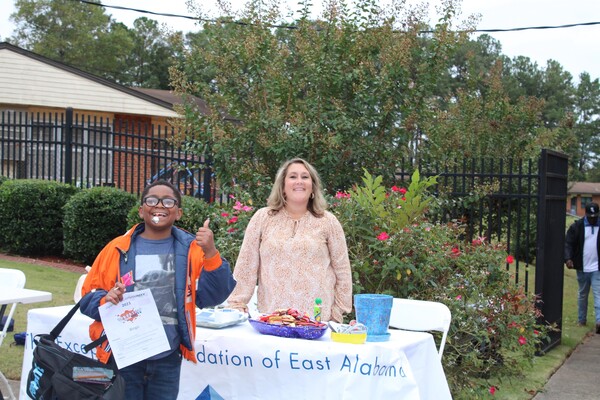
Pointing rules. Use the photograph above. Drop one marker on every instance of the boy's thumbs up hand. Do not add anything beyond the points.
(206, 240)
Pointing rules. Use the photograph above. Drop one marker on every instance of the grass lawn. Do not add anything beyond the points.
(62, 284)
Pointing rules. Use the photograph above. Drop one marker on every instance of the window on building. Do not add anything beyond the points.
(585, 200)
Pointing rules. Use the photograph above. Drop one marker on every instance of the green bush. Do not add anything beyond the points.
(395, 250)
(31, 212)
(3, 179)
(92, 218)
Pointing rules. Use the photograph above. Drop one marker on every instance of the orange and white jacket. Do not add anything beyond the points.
(213, 275)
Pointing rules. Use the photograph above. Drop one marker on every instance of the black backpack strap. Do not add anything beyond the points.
(95, 343)
(61, 325)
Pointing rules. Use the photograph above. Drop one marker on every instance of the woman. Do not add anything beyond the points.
(294, 250)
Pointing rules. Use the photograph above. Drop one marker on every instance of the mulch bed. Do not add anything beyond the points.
(54, 262)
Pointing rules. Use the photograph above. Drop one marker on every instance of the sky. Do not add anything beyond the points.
(576, 48)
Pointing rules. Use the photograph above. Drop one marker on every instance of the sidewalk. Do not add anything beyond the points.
(14, 385)
(579, 376)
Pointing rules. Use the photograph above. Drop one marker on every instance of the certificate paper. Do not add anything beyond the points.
(134, 328)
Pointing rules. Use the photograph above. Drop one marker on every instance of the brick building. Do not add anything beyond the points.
(581, 193)
(36, 92)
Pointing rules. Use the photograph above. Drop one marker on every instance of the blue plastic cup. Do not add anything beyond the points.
(373, 311)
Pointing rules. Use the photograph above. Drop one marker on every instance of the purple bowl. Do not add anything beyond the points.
(302, 332)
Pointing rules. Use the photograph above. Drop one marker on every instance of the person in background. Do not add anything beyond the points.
(169, 261)
(582, 246)
(294, 250)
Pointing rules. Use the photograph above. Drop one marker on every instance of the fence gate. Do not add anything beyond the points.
(549, 269)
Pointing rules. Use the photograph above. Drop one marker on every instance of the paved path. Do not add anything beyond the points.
(579, 377)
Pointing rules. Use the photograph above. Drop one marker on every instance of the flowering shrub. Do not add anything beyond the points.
(395, 250)
(231, 220)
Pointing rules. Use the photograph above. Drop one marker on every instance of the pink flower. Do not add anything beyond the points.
(522, 340)
(231, 196)
(492, 390)
(237, 206)
(510, 259)
(232, 220)
(342, 195)
(459, 297)
(224, 214)
(383, 236)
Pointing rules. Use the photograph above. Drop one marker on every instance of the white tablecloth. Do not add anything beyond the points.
(240, 363)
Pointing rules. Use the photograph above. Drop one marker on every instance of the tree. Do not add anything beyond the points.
(73, 33)
(345, 92)
(83, 36)
(486, 122)
(586, 146)
(153, 53)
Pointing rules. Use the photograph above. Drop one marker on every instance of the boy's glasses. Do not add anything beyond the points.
(167, 202)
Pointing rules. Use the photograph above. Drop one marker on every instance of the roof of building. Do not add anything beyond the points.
(60, 85)
(584, 188)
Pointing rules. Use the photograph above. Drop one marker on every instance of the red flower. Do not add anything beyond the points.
(522, 340)
(492, 390)
(231, 230)
(232, 220)
(536, 332)
(403, 191)
(455, 252)
(395, 188)
(383, 236)
(224, 214)
(510, 259)
(512, 325)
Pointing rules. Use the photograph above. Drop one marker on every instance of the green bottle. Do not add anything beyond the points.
(317, 309)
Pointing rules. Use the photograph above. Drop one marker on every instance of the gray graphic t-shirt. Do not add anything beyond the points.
(155, 270)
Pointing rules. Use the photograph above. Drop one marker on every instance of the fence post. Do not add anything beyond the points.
(68, 143)
(549, 268)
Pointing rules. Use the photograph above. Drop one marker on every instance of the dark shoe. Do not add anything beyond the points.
(598, 328)
(582, 323)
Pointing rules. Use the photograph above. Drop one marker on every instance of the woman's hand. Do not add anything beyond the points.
(115, 295)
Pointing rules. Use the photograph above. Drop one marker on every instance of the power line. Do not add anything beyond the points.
(493, 30)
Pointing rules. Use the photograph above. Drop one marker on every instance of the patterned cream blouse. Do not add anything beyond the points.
(294, 262)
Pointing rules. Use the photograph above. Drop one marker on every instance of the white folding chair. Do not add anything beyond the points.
(10, 278)
(421, 315)
(77, 293)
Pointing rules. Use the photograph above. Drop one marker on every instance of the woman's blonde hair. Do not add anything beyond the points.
(316, 204)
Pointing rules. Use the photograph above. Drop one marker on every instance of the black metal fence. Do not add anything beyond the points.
(494, 199)
(501, 200)
(88, 151)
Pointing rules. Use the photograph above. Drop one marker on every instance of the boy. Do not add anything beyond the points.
(167, 260)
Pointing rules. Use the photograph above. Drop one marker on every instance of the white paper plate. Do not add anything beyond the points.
(220, 318)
